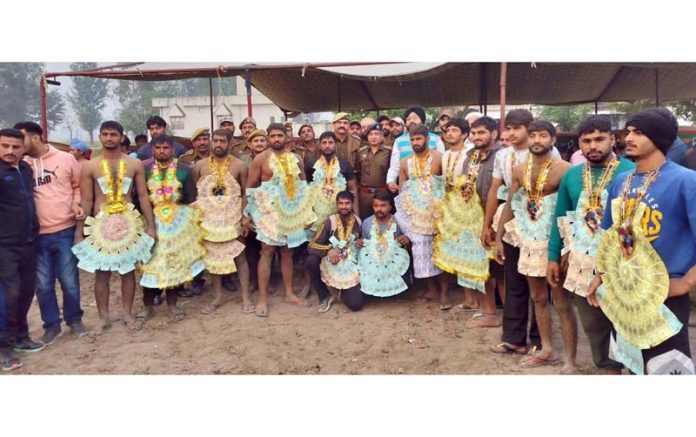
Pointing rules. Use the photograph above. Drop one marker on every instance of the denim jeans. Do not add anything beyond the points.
(56, 260)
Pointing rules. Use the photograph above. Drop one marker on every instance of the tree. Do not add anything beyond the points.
(20, 95)
(135, 99)
(88, 98)
(685, 110)
(566, 117)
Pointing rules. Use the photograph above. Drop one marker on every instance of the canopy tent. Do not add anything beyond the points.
(370, 86)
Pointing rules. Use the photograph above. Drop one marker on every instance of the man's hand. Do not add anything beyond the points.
(487, 237)
(499, 252)
(678, 287)
(553, 274)
(564, 263)
(79, 212)
(359, 243)
(151, 232)
(334, 257)
(592, 298)
(403, 240)
(393, 187)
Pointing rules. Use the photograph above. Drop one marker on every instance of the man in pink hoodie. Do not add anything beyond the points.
(57, 198)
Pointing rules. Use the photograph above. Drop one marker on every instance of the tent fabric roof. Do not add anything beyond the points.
(366, 86)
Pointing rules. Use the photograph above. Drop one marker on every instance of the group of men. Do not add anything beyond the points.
(493, 213)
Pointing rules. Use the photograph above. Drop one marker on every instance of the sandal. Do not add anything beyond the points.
(177, 314)
(248, 308)
(532, 361)
(508, 349)
(134, 325)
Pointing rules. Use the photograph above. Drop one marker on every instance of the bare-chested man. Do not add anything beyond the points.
(280, 206)
(527, 219)
(116, 239)
(421, 186)
(221, 183)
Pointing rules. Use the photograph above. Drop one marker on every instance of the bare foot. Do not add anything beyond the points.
(145, 314)
(261, 309)
(304, 293)
(467, 307)
(294, 300)
(428, 297)
(133, 325)
(568, 369)
(248, 308)
(541, 358)
(104, 325)
(210, 307)
(480, 320)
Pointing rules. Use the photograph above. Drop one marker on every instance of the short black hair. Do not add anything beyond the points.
(155, 120)
(355, 122)
(345, 194)
(327, 134)
(223, 133)
(539, 125)
(519, 117)
(111, 124)
(125, 142)
(418, 129)
(140, 137)
(276, 126)
(383, 196)
(600, 123)
(159, 139)
(12, 133)
(462, 124)
(486, 122)
(30, 127)
(382, 118)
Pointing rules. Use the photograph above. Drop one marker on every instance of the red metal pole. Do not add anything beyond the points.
(247, 82)
(503, 80)
(44, 109)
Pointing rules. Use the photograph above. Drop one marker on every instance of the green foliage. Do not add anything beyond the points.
(88, 98)
(566, 117)
(20, 95)
(685, 110)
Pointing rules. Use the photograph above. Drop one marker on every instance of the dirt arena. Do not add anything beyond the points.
(390, 336)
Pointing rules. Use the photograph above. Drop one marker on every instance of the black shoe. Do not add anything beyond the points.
(51, 335)
(228, 284)
(78, 329)
(28, 346)
(9, 360)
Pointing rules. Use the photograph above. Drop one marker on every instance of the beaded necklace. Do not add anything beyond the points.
(343, 233)
(284, 165)
(163, 188)
(593, 211)
(421, 171)
(114, 197)
(628, 210)
(220, 171)
(471, 175)
(535, 195)
(328, 188)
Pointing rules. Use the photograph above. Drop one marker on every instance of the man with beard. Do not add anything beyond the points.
(526, 224)
(116, 240)
(221, 183)
(327, 176)
(176, 257)
(18, 245)
(333, 259)
(396, 128)
(310, 146)
(355, 128)
(578, 216)
(384, 121)
(242, 150)
(347, 145)
(228, 124)
(401, 150)
(373, 163)
(280, 206)
(458, 247)
(421, 188)
(200, 147)
(383, 259)
(646, 259)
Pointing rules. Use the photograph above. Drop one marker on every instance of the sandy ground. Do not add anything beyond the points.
(390, 336)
